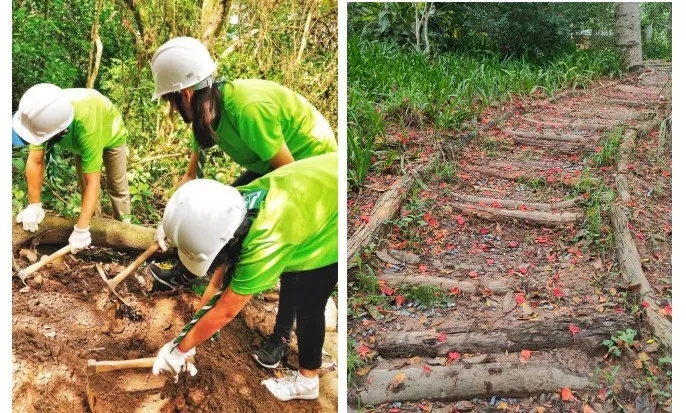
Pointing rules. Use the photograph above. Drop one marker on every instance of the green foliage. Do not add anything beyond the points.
(623, 339)
(389, 84)
(608, 151)
(51, 42)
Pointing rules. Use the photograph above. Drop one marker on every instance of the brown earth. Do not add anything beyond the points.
(67, 316)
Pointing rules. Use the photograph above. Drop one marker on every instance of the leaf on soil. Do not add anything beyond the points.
(667, 310)
(415, 360)
(399, 300)
(426, 407)
(427, 370)
(363, 350)
(397, 380)
(524, 356)
(566, 394)
(373, 311)
(588, 409)
(557, 292)
(454, 355)
(460, 220)
(423, 268)
(509, 303)
(526, 309)
(405, 256)
(441, 337)
(520, 298)
(574, 330)
(645, 304)
(513, 244)
(362, 371)
(473, 274)
(602, 394)
(383, 256)
(385, 289)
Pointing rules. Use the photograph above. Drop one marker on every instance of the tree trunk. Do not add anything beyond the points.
(384, 208)
(628, 34)
(467, 381)
(529, 335)
(538, 217)
(632, 271)
(96, 51)
(105, 232)
(213, 17)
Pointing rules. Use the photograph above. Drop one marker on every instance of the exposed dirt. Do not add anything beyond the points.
(67, 316)
(513, 271)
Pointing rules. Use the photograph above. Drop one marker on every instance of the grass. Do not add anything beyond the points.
(387, 84)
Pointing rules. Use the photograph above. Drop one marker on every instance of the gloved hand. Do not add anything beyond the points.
(31, 216)
(160, 236)
(173, 361)
(79, 239)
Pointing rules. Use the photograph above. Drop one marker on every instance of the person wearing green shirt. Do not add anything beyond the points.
(283, 225)
(260, 124)
(87, 124)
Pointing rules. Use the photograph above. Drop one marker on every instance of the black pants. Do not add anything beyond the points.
(303, 297)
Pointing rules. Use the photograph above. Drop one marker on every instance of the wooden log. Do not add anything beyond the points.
(467, 381)
(623, 187)
(626, 148)
(571, 123)
(539, 217)
(465, 286)
(384, 209)
(516, 204)
(105, 232)
(630, 264)
(569, 147)
(529, 335)
(565, 138)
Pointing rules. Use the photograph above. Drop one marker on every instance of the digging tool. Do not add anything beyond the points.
(114, 282)
(95, 367)
(47, 260)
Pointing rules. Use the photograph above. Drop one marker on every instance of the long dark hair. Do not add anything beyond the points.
(206, 107)
(231, 252)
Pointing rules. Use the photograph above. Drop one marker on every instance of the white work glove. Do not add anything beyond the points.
(160, 236)
(173, 361)
(31, 216)
(79, 239)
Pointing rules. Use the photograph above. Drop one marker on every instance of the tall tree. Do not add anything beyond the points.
(628, 34)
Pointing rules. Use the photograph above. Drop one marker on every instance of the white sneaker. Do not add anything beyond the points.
(296, 386)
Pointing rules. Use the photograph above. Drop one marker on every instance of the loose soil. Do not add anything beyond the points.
(472, 226)
(67, 316)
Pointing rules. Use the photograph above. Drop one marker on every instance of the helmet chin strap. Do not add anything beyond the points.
(203, 83)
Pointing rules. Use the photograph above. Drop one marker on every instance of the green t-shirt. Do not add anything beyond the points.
(296, 228)
(97, 126)
(258, 116)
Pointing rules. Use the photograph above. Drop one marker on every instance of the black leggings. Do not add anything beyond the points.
(302, 297)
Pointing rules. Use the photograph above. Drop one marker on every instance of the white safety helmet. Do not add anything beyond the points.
(180, 63)
(43, 112)
(200, 218)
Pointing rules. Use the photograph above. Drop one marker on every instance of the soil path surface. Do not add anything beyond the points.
(67, 316)
(501, 273)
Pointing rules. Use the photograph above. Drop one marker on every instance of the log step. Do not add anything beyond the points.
(462, 381)
(529, 335)
(534, 217)
(563, 138)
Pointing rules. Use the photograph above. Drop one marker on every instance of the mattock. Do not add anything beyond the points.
(22, 274)
(114, 282)
(95, 367)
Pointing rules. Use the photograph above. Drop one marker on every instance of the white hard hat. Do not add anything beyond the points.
(180, 63)
(200, 218)
(43, 112)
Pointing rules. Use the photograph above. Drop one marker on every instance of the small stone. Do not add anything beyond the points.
(25, 289)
